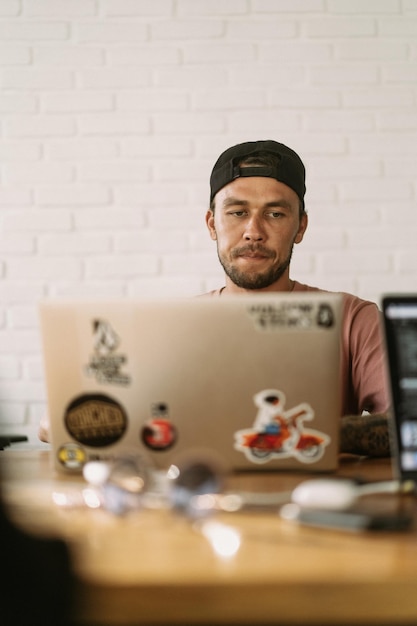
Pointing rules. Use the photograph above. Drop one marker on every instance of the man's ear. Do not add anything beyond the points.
(301, 228)
(210, 224)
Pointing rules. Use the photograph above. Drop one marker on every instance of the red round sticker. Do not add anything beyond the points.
(159, 434)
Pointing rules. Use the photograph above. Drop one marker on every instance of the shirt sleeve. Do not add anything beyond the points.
(365, 381)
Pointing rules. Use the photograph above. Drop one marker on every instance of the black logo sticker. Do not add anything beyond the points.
(292, 314)
(106, 364)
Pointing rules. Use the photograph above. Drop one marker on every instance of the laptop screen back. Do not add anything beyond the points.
(255, 379)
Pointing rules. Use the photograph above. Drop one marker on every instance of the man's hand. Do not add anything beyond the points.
(43, 430)
(367, 435)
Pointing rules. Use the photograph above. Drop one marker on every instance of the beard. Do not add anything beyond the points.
(249, 280)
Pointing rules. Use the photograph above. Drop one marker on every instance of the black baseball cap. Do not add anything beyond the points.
(289, 170)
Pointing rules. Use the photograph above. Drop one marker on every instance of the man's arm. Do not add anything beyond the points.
(367, 435)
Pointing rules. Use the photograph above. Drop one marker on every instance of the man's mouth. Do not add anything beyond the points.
(252, 256)
(252, 253)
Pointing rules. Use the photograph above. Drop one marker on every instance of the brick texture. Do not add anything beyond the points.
(113, 112)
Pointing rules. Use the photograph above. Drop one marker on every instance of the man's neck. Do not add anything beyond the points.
(285, 284)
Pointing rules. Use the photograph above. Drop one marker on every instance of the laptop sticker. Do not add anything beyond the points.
(296, 315)
(72, 456)
(280, 433)
(95, 420)
(106, 363)
(159, 433)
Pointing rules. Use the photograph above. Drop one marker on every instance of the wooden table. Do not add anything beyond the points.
(156, 567)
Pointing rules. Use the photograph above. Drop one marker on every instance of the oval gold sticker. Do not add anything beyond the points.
(95, 420)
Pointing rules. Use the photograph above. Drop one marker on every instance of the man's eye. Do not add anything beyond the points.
(276, 214)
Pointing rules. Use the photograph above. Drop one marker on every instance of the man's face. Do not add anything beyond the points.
(256, 222)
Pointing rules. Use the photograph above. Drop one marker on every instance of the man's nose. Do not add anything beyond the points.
(254, 230)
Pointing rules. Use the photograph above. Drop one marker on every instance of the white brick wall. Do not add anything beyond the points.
(113, 112)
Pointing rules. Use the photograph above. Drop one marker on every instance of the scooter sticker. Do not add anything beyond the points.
(280, 433)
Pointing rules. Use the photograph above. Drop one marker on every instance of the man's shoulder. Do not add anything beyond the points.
(352, 304)
(297, 286)
(210, 294)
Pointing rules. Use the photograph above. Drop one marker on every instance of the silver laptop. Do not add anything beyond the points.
(400, 325)
(255, 379)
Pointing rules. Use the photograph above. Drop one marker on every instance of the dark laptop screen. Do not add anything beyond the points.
(400, 322)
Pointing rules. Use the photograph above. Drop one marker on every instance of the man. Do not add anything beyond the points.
(256, 216)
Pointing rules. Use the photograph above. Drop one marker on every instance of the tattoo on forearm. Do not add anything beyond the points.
(365, 435)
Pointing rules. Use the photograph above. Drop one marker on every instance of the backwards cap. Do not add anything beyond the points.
(289, 169)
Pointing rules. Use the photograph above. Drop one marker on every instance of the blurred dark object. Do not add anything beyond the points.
(7, 440)
(37, 586)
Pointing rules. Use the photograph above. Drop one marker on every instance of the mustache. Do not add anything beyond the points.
(252, 249)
